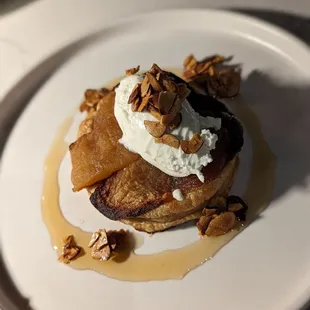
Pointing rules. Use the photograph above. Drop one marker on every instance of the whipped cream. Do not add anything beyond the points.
(177, 194)
(172, 161)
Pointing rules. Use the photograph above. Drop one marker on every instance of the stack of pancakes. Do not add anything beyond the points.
(126, 188)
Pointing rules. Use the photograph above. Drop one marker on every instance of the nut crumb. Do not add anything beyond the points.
(69, 250)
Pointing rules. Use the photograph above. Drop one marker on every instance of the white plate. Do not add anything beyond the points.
(266, 267)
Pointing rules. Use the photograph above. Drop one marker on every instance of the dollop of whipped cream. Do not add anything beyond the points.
(170, 160)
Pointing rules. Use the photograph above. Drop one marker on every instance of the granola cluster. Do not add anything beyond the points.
(221, 215)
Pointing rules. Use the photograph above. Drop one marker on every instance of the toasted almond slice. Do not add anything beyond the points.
(175, 109)
(183, 91)
(135, 93)
(155, 69)
(203, 67)
(218, 202)
(221, 224)
(154, 83)
(234, 207)
(190, 61)
(95, 236)
(154, 112)
(175, 123)
(155, 128)
(169, 84)
(169, 139)
(135, 105)
(145, 86)
(193, 145)
(132, 70)
(189, 74)
(166, 100)
(203, 224)
(208, 212)
(144, 103)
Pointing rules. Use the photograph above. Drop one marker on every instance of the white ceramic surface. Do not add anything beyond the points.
(265, 267)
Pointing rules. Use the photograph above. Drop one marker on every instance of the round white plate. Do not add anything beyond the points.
(267, 266)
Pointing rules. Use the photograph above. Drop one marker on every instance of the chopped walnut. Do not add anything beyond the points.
(132, 70)
(104, 243)
(69, 250)
(221, 215)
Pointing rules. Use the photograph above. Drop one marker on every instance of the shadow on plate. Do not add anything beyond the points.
(285, 120)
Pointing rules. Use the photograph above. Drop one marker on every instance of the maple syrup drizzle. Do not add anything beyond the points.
(169, 264)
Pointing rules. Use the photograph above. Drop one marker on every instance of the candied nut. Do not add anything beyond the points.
(190, 62)
(132, 70)
(94, 238)
(183, 91)
(208, 212)
(155, 128)
(234, 207)
(154, 112)
(92, 96)
(145, 86)
(169, 139)
(175, 123)
(233, 203)
(103, 243)
(155, 69)
(221, 224)
(135, 105)
(225, 83)
(154, 83)
(101, 248)
(193, 145)
(69, 250)
(218, 202)
(203, 223)
(175, 109)
(144, 103)
(135, 93)
(165, 101)
(168, 84)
